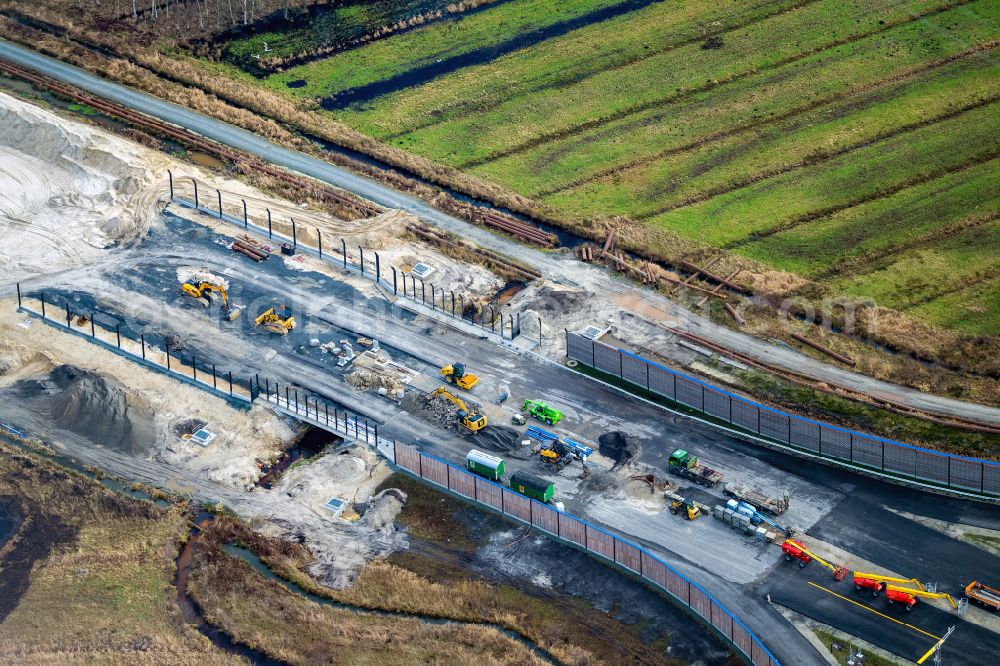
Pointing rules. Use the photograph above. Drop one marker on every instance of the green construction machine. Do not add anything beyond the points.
(542, 412)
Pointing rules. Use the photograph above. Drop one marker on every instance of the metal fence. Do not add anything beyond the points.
(365, 262)
(860, 450)
(190, 369)
(592, 539)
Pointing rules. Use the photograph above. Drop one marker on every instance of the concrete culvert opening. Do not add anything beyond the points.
(619, 447)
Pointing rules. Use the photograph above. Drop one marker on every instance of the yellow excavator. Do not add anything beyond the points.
(454, 373)
(471, 420)
(276, 320)
(202, 292)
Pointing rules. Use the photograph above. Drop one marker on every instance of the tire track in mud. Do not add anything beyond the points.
(881, 194)
(578, 128)
(769, 174)
(859, 264)
(489, 104)
(735, 130)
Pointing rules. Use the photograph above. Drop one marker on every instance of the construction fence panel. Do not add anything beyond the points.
(717, 404)
(836, 443)
(678, 586)
(462, 482)
(516, 505)
(600, 542)
(489, 493)
(628, 556)
(434, 470)
(742, 638)
(722, 620)
(408, 458)
(607, 359)
(635, 370)
(661, 381)
(701, 603)
(774, 425)
(545, 518)
(654, 570)
(867, 451)
(926, 465)
(991, 477)
(689, 393)
(745, 415)
(759, 655)
(966, 473)
(805, 435)
(580, 348)
(572, 529)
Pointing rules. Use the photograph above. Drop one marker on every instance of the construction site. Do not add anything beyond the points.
(122, 267)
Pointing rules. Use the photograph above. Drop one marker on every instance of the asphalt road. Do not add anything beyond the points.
(554, 266)
(813, 592)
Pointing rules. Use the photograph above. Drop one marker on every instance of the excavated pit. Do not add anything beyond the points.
(619, 447)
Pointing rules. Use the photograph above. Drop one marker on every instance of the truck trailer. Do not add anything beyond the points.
(685, 465)
(485, 465)
(531, 486)
(987, 597)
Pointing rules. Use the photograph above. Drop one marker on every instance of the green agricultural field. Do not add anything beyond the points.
(854, 142)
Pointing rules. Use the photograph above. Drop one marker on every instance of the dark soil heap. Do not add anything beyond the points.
(617, 446)
(92, 406)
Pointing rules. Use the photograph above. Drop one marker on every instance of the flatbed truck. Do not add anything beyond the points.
(683, 464)
(756, 499)
(987, 597)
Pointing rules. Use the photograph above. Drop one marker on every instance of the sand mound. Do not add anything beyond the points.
(67, 191)
(617, 446)
(92, 406)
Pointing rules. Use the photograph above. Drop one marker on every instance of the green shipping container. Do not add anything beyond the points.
(532, 486)
(484, 465)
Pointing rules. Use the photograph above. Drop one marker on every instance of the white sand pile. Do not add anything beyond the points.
(67, 191)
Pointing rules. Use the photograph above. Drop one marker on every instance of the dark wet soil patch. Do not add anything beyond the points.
(297, 83)
(619, 447)
(34, 543)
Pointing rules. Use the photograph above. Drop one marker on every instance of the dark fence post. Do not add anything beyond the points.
(195, 193)
(93, 332)
(343, 249)
(394, 289)
(214, 381)
(171, 176)
(230, 382)
(362, 251)
(43, 304)
(219, 192)
(326, 411)
(319, 236)
(295, 240)
(423, 292)
(167, 348)
(269, 234)
(194, 367)
(118, 333)
(296, 392)
(378, 269)
(18, 285)
(433, 297)
(142, 341)
(68, 315)
(452, 303)
(246, 220)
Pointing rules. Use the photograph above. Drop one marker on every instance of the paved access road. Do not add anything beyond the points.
(555, 267)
